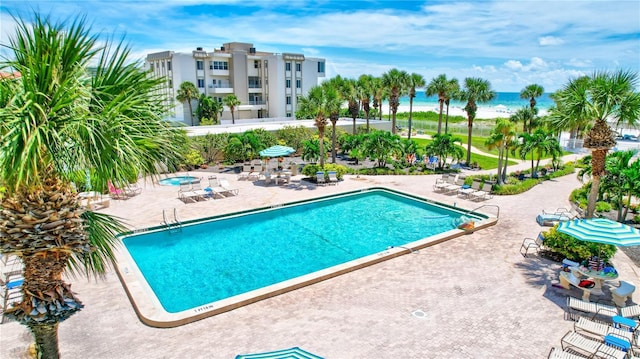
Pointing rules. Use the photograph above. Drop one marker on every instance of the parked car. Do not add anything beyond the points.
(630, 138)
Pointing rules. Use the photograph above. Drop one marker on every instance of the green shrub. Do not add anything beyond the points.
(193, 158)
(575, 249)
(516, 188)
(603, 207)
(636, 219)
(311, 170)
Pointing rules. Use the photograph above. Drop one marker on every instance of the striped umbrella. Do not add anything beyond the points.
(291, 353)
(277, 151)
(601, 230)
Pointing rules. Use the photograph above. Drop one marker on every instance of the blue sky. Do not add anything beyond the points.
(510, 43)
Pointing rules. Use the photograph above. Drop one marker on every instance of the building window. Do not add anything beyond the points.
(199, 65)
(201, 83)
(298, 84)
(170, 83)
(287, 66)
(320, 66)
(254, 82)
(169, 65)
(288, 84)
(218, 65)
(256, 64)
(288, 114)
(288, 100)
(298, 67)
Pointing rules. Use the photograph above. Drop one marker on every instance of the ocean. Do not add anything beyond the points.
(511, 100)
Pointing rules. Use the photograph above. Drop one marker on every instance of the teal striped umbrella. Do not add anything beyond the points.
(601, 230)
(277, 151)
(291, 353)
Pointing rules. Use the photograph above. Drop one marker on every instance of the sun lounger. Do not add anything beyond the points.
(591, 347)
(320, 180)
(531, 243)
(246, 170)
(454, 187)
(333, 177)
(227, 187)
(600, 329)
(214, 189)
(483, 194)
(575, 304)
(255, 173)
(12, 290)
(466, 191)
(561, 354)
(186, 193)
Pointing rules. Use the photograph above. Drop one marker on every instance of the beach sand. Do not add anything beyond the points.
(484, 112)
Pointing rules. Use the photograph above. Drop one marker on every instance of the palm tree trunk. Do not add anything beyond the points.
(598, 160)
(321, 145)
(506, 163)
(190, 111)
(333, 140)
(440, 117)
(410, 113)
(469, 133)
(500, 155)
(446, 123)
(46, 340)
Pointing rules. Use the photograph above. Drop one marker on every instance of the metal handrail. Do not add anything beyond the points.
(485, 205)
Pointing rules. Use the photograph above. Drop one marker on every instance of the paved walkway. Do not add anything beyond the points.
(480, 297)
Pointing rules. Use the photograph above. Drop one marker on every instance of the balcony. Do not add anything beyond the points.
(221, 88)
(253, 105)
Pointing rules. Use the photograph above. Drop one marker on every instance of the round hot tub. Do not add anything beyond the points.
(175, 181)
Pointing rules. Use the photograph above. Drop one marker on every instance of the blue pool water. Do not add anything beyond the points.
(220, 258)
(175, 181)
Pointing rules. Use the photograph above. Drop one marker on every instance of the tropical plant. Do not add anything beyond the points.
(211, 146)
(476, 90)
(311, 150)
(365, 93)
(444, 145)
(597, 98)
(524, 115)
(294, 136)
(321, 101)
(231, 101)
(243, 146)
(208, 110)
(501, 136)
(531, 92)
(343, 89)
(538, 144)
(621, 179)
(415, 80)
(575, 249)
(188, 92)
(63, 118)
(382, 146)
(396, 82)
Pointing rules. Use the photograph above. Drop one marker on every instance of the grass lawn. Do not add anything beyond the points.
(485, 162)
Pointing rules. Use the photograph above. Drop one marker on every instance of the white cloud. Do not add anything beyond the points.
(550, 41)
(580, 62)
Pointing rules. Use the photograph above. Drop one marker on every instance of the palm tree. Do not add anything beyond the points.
(452, 92)
(531, 92)
(601, 96)
(231, 101)
(622, 179)
(502, 134)
(320, 101)
(415, 80)
(58, 123)
(378, 92)
(188, 92)
(208, 109)
(476, 90)
(341, 87)
(396, 82)
(438, 86)
(365, 93)
(349, 93)
(524, 115)
(444, 146)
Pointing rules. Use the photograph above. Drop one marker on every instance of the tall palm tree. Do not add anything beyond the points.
(320, 101)
(58, 123)
(365, 93)
(208, 109)
(439, 86)
(451, 93)
(476, 90)
(378, 92)
(602, 96)
(524, 115)
(342, 88)
(501, 136)
(350, 94)
(231, 101)
(531, 92)
(397, 83)
(415, 80)
(188, 92)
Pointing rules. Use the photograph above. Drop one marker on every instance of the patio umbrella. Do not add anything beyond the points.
(277, 151)
(601, 230)
(291, 353)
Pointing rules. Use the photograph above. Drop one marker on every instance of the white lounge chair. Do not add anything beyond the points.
(227, 187)
(320, 180)
(441, 182)
(591, 347)
(561, 354)
(575, 304)
(600, 329)
(531, 243)
(186, 193)
(214, 189)
(465, 192)
(333, 177)
(255, 173)
(246, 170)
(484, 193)
(454, 187)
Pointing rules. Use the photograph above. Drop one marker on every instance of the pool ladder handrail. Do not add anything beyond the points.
(174, 226)
(485, 205)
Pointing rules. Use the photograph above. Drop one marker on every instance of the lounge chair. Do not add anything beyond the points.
(246, 170)
(575, 304)
(255, 173)
(441, 183)
(531, 243)
(333, 177)
(622, 293)
(483, 194)
(186, 193)
(454, 187)
(213, 189)
(561, 354)
(123, 193)
(320, 180)
(12, 290)
(550, 219)
(227, 187)
(466, 191)
(600, 329)
(592, 348)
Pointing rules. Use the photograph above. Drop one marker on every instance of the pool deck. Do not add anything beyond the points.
(475, 295)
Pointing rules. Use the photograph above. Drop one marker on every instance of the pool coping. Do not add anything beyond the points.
(151, 312)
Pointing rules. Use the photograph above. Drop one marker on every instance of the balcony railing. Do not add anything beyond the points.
(219, 85)
(256, 102)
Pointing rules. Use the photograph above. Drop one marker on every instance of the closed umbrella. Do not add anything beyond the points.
(291, 353)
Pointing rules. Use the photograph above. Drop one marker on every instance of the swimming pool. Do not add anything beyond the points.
(221, 263)
(175, 181)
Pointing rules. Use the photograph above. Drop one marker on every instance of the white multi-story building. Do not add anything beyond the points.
(267, 84)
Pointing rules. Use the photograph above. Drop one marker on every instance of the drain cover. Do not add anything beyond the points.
(418, 313)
